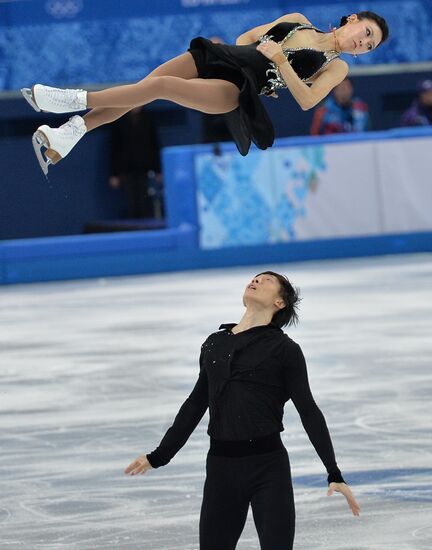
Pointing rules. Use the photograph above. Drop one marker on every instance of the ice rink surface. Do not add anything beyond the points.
(93, 372)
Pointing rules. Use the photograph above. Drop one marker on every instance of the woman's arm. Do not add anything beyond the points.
(307, 97)
(251, 36)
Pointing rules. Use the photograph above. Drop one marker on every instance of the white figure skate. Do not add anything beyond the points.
(55, 100)
(58, 142)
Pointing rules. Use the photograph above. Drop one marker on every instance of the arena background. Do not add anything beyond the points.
(93, 371)
(75, 42)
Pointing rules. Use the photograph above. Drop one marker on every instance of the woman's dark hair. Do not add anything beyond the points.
(291, 296)
(380, 21)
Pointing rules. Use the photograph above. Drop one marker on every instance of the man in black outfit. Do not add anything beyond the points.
(248, 371)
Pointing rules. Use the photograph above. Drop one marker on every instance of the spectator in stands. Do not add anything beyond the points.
(341, 112)
(420, 112)
(136, 167)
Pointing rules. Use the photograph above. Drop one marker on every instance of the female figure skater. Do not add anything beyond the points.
(248, 371)
(222, 80)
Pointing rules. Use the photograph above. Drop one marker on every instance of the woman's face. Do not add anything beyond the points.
(359, 35)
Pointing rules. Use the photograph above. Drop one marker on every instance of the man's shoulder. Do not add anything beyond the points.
(226, 326)
(223, 330)
(289, 344)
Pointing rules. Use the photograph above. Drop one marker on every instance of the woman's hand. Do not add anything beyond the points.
(347, 493)
(269, 49)
(138, 466)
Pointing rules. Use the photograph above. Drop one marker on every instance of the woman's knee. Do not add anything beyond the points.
(157, 84)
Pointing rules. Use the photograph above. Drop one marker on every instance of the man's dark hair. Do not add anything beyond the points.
(291, 296)
(380, 21)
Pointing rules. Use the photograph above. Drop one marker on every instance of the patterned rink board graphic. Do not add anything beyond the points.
(93, 372)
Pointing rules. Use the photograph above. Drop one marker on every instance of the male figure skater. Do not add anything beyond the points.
(248, 371)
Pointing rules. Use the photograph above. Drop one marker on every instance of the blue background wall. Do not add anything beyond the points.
(88, 41)
(93, 41)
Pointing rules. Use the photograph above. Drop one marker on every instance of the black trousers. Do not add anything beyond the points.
(234, 482)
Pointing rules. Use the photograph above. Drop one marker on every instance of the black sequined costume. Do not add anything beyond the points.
(256, 75)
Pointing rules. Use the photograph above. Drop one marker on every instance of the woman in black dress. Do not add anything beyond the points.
(248, 371)
(221, 80)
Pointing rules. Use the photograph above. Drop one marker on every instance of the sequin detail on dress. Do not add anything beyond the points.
(275, 80)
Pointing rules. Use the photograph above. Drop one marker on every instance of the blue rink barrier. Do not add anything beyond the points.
(178, 247)
(63, 258)
(180, 161)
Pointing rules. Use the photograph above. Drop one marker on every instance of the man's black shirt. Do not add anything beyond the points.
(245, 379)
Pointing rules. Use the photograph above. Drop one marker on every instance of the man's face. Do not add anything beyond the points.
(263, 290)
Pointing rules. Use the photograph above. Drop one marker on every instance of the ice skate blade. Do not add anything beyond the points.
(50, 156)
(28, 96)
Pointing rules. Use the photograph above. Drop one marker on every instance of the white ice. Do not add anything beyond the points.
(93, 372)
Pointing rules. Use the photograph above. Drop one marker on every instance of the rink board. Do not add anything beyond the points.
(303, 199)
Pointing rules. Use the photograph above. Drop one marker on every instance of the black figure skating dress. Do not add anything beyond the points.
(256, 75)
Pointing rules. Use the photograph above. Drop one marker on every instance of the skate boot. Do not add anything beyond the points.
(55, 100)
(58, 142)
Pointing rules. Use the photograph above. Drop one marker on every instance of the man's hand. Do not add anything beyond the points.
(138, 466)
(346, 491)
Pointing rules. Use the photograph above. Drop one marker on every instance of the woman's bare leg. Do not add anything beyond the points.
(214, 96)
(182, 66)
(211, 95)
(103, 115)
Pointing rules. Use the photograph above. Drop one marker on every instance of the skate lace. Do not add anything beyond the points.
(59, 96)
(70, 127)
(76, 131)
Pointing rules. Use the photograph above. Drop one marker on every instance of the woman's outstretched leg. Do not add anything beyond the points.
(176, 80)
(213, 96)
(103, 115)
(58, 142)
(179, 66)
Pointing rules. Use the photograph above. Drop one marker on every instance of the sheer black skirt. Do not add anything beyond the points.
(245, 67)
